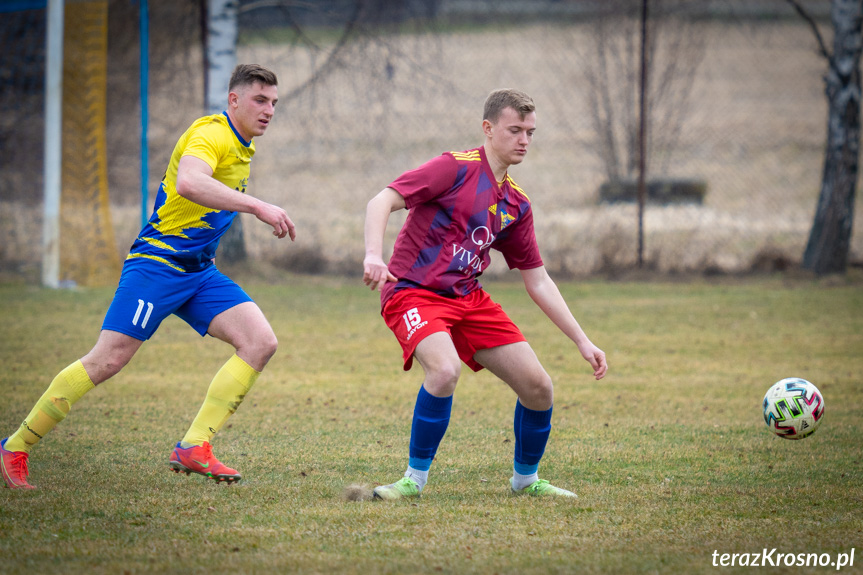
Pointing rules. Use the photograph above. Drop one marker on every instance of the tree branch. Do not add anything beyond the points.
(812, 24)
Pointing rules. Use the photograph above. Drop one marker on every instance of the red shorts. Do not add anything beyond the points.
(474, 322)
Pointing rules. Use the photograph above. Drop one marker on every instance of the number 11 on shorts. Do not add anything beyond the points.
(412, 318)
(138, 313)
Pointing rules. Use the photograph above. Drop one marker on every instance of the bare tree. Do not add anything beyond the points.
(612, 78)
(638, 91)
(830, 236)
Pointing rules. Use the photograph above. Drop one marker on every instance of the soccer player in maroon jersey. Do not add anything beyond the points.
(462, 204)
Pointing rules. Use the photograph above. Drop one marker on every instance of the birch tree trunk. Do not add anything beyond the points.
(830, 236)
(221, 50)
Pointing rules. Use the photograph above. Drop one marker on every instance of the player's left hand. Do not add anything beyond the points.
(278, 218)
(596, 358)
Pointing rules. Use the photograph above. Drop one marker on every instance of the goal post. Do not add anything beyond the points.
(52, 145)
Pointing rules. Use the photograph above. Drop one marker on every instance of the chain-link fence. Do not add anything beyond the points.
(371, 88)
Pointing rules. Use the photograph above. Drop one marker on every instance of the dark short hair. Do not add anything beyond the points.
(499, 100)
(248, 74)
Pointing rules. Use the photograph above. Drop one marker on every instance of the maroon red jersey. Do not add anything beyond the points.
(458, 212)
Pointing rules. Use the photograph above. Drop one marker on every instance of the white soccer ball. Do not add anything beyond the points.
(793, 408)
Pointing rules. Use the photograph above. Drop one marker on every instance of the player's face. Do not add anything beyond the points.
(253, 107)
(511, 135)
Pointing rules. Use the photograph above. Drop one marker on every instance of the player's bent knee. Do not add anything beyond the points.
(441, 380)
(266, 348)
(101, 372)
(539, 396)
(258, 350)
(450, 373)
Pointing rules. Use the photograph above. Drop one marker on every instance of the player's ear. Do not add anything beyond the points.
(487, 127)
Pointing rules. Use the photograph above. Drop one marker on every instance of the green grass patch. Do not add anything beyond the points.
(669, 453)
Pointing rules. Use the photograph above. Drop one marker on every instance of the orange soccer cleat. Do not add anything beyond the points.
(200, 460)
(13, 465)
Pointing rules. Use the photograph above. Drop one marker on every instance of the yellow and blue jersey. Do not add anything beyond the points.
(180, 233)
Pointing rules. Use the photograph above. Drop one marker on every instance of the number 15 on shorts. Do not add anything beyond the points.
(412, 318)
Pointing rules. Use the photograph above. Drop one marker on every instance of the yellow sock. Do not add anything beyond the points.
(68, 387)
(226, 393)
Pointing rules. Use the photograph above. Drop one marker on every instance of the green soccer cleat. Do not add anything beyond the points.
(404, 487)
(542, 488)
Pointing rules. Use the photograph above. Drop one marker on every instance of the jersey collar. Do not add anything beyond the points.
(236, 133)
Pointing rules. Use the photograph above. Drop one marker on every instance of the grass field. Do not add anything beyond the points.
(669, 454)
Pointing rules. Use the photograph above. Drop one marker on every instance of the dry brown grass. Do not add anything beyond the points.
(755, 132)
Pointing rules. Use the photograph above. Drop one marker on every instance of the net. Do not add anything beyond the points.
(87, 249)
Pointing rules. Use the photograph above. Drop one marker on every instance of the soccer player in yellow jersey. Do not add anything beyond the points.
(170, 270)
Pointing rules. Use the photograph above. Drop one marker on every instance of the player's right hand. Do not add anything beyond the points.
(376, 273)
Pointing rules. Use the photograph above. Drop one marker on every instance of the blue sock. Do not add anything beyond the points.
(532, 429)
(431, 418)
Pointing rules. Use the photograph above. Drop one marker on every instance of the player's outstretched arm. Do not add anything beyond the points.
(195, 182)
(378, 210)
(543, 291)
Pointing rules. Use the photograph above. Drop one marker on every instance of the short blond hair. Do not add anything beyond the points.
(499, 100)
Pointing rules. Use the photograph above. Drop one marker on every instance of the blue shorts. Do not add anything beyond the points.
(151, 291)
